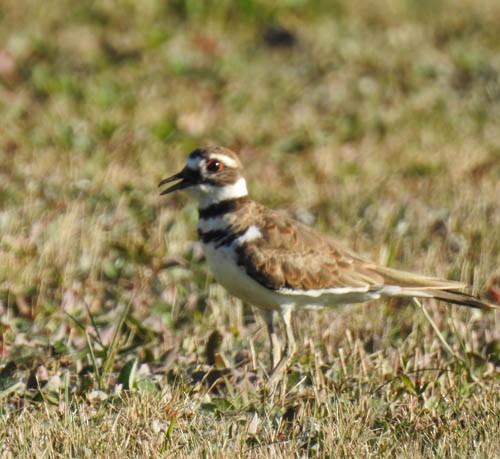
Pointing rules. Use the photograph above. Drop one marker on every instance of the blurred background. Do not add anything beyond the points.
(377, 122)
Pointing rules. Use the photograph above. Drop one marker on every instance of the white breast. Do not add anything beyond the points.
(222, 263)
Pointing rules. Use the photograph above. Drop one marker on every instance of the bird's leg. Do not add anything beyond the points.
(275, 345)
(290, 348)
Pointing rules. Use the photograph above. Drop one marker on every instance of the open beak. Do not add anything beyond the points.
(186, 177)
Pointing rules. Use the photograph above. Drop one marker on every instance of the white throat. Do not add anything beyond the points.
(212, 194)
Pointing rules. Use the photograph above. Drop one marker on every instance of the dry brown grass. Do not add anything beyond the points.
(380, 126)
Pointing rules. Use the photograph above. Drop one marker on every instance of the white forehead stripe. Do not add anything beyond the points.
(194, 163)
(228, 161)
(198, 161)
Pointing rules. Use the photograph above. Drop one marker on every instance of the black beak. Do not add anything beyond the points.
(186, 177)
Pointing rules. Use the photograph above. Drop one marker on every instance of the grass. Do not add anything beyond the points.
(376, 124)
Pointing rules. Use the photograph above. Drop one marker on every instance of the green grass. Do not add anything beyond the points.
(379, 126)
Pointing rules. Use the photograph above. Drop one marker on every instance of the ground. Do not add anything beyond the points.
(374, 122)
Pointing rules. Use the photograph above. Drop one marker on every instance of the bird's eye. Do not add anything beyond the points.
(214, 166)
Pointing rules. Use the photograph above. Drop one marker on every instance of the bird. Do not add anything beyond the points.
(280, 265)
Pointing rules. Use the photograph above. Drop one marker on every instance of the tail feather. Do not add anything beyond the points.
(417, 281)
(464, 299)
(460, 298)
(430, 287)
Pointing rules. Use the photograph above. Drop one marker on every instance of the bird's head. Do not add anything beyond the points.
(212, 174)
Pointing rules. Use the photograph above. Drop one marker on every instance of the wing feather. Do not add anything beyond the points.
(290, 255)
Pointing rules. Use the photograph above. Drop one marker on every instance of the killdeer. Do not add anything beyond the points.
(279, 264)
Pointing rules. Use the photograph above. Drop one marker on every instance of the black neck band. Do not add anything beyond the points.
(222, 207)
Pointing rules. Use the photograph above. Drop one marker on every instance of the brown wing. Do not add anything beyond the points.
(292, 255)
